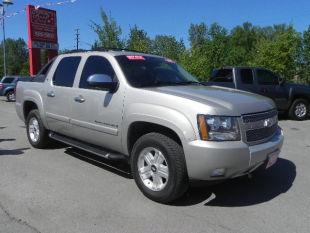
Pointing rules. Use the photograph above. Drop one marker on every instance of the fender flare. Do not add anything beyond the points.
(159, 115)
(35, 97)
(6, 90)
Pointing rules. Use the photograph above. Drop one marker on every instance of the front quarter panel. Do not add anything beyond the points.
(156, 114)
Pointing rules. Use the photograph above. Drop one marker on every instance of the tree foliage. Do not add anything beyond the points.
(168, 46)
(139, 40)
(279, 47)
(16, 57)
(109, 33)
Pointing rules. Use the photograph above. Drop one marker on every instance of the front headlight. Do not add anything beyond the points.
(218, 128)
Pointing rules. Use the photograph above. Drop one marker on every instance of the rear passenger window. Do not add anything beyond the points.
(95, 65)
(246, 76)
(266, 77)
(66, 71)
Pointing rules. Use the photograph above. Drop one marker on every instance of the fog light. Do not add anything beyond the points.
(219, 172)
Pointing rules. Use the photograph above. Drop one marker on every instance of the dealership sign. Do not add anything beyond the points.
(42, 35)
(42, 28)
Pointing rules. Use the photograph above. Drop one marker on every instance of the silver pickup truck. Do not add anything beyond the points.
(149, 110)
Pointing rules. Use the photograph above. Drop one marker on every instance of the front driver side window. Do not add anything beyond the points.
(266, 77)
(95, 65)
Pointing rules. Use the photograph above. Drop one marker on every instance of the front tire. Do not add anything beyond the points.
(299, 110)
(10, 96)
(159, 168)
(36, 132)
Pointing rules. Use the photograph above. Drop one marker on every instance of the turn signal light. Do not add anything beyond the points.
(203, 128)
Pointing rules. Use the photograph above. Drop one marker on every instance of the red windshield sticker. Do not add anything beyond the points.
(136, 58)
(170, 61)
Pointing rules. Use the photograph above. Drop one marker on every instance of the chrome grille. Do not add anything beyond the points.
(259, 127)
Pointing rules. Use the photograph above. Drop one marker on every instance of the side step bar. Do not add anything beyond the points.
(87, 147)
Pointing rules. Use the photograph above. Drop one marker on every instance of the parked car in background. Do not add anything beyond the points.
(290, 98)
(149, 111)
(8, 84)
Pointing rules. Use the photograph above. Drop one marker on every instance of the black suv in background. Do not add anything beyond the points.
(290, 98)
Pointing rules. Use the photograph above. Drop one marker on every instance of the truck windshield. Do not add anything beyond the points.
(144, 71)
(222, 75)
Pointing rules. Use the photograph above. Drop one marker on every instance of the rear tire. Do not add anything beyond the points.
(299, 110)
(10, 96)
(159, 168)
(36, 132)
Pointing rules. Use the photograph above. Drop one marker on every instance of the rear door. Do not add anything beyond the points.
(97, 119)
(268, 85)
(59, 93)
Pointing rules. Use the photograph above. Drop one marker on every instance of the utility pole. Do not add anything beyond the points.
(2, 9)
(77, 34)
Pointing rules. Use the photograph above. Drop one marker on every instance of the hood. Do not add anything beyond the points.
(225, 101)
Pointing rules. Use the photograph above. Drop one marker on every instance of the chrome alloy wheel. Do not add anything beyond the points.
(34, 129)
(301, 110)
(153, 169)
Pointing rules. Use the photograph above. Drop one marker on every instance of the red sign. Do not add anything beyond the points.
(42, 30)
(42, 25)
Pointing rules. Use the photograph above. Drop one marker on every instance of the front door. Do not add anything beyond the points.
(97, 114)
(58, 95)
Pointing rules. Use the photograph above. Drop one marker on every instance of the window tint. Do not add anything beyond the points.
(266, 77)
(222, 75)
(8, 80)
(65, 72)
(246, 76)
(95, 65)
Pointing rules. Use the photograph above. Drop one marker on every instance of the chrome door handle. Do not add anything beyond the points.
(79, 99)
(51, 94)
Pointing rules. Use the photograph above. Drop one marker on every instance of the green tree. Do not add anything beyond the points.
(280, 54)
(201, 59)
(109, 32)
(306, 56)
(242, 44)
(168, 46)
(16, 57)
(198, 34)
(139, 40)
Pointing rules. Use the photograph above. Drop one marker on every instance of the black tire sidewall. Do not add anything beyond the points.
(8, 96)
(41, 143)
(164, 195)
(293, 107)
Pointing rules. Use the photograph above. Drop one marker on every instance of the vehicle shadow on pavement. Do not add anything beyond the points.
(264, 186)
(120, 168)
(13, 152)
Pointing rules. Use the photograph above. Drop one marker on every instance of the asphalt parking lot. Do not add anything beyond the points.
(60, 191)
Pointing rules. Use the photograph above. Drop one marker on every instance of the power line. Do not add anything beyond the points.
(77, 34)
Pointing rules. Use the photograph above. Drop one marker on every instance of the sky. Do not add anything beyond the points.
(170, 17)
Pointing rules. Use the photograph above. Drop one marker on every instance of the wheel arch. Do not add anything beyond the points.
(7, 90)
(156, 119)
(33, 102)
(140, 128)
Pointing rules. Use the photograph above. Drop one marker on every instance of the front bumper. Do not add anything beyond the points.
(236, 158)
